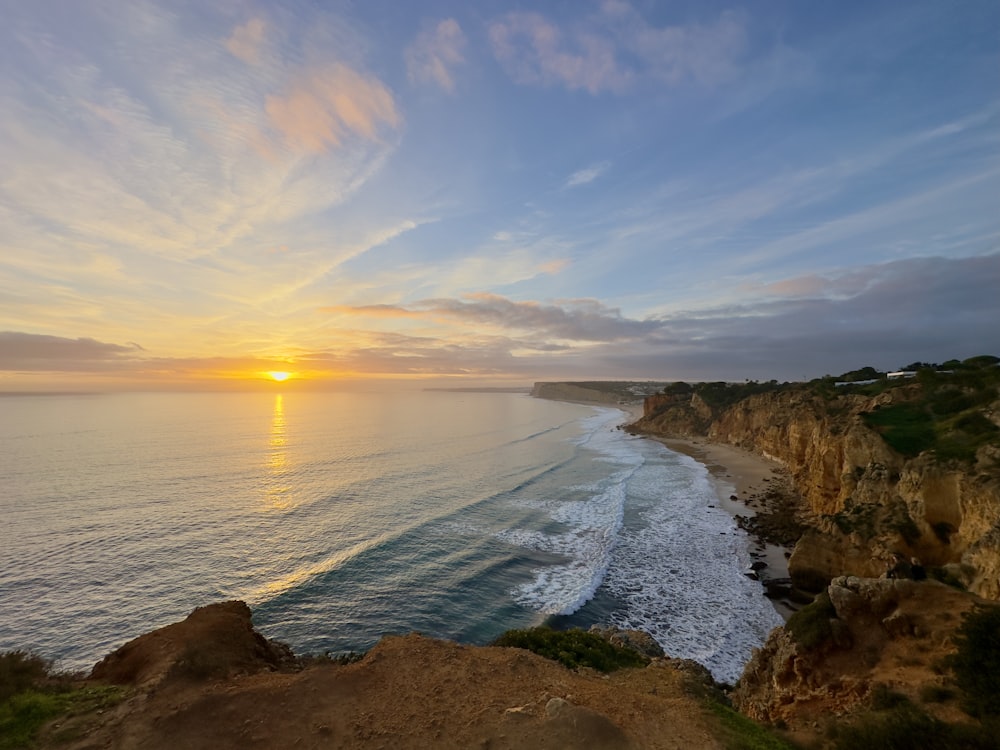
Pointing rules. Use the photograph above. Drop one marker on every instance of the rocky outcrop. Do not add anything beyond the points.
(862, 502)
(216, 641)
(829, 658)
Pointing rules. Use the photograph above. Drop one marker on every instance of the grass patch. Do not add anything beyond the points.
(23, 714)
(738, 732)
(810, 626)
(573, 648)
(907, 428)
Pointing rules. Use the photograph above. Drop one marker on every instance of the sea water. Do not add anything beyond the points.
(340, 517)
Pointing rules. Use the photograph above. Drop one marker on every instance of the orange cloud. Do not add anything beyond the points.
(328, 105)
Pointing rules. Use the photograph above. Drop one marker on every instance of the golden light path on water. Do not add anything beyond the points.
(278, 490)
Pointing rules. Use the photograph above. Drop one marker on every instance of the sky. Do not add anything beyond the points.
(193, 195)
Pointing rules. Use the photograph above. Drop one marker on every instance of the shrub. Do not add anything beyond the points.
(909, 728)
(883, 698)
(20, 670)
(976, 662)
(810, 626)
(907, 428)
(936, 694)
(573, 648)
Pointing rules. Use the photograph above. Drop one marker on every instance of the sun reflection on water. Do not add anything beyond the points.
(277, 490)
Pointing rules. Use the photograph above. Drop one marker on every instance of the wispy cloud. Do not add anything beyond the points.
(152, 162)
(613, 49)
(435, 53)
(246, 40)
(587, 175)
(324, 106)
(574, 320)
(535, 51)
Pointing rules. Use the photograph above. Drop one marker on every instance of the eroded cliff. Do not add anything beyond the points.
(865, 505)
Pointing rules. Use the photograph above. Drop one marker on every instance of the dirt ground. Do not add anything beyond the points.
(408, 692)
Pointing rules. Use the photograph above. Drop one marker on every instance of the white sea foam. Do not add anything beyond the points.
(680, 571)
(677, 567)
(592, 525)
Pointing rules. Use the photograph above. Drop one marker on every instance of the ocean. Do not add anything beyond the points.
(340, 517)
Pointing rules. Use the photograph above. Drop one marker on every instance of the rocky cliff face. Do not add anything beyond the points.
(862, 501)
(866, 633)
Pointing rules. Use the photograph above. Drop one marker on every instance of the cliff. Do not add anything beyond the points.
(864, 503)
(212, 681)
(866, 644)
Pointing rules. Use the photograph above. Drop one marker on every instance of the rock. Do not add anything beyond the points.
(215, 641)
(555, 706)
(636, 640)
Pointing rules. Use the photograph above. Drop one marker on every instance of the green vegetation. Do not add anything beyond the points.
(907, 428)
(573, 648)
(31, 696)
(810, 626)
(341, 659)
(19, 670)
(906, 727)
(939, 409)
(944, 413)
(977, 661)
(738, 732)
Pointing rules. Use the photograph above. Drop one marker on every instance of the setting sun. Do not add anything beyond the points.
(279, 376)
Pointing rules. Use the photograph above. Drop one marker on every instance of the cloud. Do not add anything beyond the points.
(587, 175)
(535, 51)
(616, 48)
(885, 315)
(574, 320)
(434, 54)
(324, 106)
(706, 54)
(28, 352)
(245, 42)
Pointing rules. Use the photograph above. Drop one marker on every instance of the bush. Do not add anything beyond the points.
(20, 670)
(976, 662)
(883, 698)
(936, 694)
(573, 648)
(907, 428)
(909, 728)
(30, 696)
(810, 626)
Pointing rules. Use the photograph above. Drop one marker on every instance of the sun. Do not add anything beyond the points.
(280, 375)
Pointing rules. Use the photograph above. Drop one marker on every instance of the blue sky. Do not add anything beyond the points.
(198, 193)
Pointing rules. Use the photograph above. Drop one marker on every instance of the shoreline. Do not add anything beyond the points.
(740, 478)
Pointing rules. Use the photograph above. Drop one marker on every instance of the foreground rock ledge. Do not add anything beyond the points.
(212, 681)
